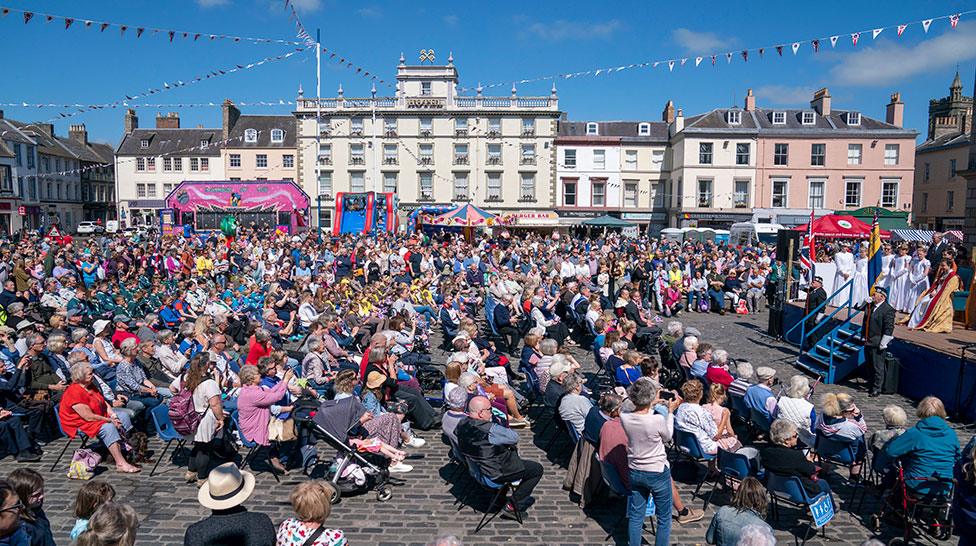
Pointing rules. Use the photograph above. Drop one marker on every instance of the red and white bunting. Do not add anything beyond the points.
(901, 29)
(875, 32)
(926, 24)
(779, 49)
(816, 45)
(954, 20)
(796, 47)
(854, 37)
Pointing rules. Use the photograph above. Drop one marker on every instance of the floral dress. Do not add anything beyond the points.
(292, 532)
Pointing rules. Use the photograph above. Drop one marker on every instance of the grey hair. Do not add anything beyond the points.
(79, 334)
(756, 535)
(572, 381)
(78, 370)
(261, 335)
(691, 343)
(56, 343)
(720, 356)
(618, 347)
(799, 387)
(744, 371)
(548, 346)
(164, 336)
(314, 344)
(675, 328)
(467, 379)
(186, 329)
(610, 401)
(781, 430)
(151, 318)
(128, 346)
(642, 393)
(894, 416)
(15, 307)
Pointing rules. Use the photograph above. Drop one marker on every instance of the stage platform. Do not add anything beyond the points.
(931, 364)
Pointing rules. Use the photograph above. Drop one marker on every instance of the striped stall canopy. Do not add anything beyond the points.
(917, 235)
(954, 235)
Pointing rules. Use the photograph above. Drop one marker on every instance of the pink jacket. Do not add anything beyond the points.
(254, 410)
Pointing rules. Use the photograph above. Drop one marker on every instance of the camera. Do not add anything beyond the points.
(667, 395)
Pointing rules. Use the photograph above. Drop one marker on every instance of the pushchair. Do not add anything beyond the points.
(349, 471)
(932, 511)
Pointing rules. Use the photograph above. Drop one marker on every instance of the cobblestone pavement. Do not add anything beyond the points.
(424, 506)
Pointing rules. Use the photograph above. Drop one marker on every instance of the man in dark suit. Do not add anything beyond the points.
(503, 323)
(816, 295)
(939, 245)
(878, 329)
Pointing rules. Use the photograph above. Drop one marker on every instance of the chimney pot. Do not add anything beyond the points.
(895, 112)
(821, 102)
(169, 121)
(750, 104)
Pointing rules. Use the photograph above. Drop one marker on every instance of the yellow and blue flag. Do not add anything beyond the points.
(874, 254)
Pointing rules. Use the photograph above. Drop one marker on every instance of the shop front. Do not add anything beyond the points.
(279, 205)
(712, 220)
(650, 223)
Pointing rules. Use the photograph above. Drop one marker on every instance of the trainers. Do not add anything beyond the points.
(28, 457)
(415, 441)
(518, 423)
(399, 468)
(690, 515)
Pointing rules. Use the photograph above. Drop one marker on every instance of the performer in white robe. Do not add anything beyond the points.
(918, 277)
(860, 288)
(897, 287)
(886, 259)
(844, 262)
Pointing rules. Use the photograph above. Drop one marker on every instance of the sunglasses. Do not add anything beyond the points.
(15, 508)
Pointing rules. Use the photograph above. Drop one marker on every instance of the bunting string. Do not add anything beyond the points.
(179, 83)
(126, 104)
(140, 31)
(745, 54)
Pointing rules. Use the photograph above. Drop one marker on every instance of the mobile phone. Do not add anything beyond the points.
(667, 395)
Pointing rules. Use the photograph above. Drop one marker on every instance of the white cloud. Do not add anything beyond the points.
(699, 42)
(784, 95)
(451, 20)
(564, 30)
(212, 3)
(370, 12)
(888, 62)
(307, 5)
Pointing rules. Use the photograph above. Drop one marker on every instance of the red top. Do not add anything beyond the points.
(71, 422)
(717, 374)
(255, 351)
(362, 365)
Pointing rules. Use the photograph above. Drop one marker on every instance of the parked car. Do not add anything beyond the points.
(133, 231)
(111, 226)
(89, 227)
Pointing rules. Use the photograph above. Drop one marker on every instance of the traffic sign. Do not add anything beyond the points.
(22, 210)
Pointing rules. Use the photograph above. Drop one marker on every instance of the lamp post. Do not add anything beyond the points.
(318, 199)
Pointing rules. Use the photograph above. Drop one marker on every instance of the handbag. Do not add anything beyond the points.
(83, 463)
(281, 430)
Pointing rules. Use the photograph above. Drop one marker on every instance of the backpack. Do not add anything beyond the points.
(183, 415)
(742, 308)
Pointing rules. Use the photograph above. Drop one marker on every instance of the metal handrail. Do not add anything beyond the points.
(848, 305)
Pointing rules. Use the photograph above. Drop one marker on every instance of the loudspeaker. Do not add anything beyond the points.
(783, 238)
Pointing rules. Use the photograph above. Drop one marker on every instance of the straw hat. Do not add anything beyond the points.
(226, 487)
(374, 380)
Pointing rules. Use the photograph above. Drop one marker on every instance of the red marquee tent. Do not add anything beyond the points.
(837, 226)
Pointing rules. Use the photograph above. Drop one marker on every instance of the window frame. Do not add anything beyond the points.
(387, 178)
(848, 184)
(706, 150)
(602, 164)
(466, 195)
(598, 189)
(778, 118)
(566, 158)
(523, 195)
(784, 195)
(853, 119)
(733, 117)
(421, 178)
(822, 183)
(574, 183)
(644, 129)
(250, 136)
(631, 187)
(897, 154)
(234, 161)
(708, 196)
(288, 161)
(822, 155)
(357, 181)
(893, 202)
(592, 128)
(280, 133)
(327, 177)
(781, 159)
(631, 160)
(490, 184)
(808, 118)
(855, 153)
(735, 193)
(739, 155)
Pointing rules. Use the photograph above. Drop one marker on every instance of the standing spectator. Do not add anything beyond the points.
(312, 502)
(229, 523)
(206, 401)
(503, 323)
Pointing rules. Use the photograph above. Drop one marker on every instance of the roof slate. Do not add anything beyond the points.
(171, 142)
(952, 140)
(263, 125)
(624, 129)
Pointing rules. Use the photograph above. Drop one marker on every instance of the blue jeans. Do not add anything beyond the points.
(109, 433)
(718, 298)
(643, 485)
(427, 311)
(694, 297)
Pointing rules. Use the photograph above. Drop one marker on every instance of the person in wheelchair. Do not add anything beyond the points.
(930, 449)
(964, 501)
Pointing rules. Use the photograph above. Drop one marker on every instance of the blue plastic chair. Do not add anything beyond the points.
(612, 478)
(789, 490)
(82, 435)
(504, 491)
(733, 468)
(252, 447)
(687, 446)
(165, 431)
(759, 420)
(739, 408)
(842, 453)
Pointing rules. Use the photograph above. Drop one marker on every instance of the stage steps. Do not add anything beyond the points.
(836, 355)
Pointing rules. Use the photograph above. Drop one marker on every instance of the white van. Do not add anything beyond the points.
(111, 226)
(750, 233)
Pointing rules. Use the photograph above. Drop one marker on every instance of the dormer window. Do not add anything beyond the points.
(144, 143)
(808, 118)
(853, 118)
(592, 129)
(779, 118)
(277, 135)
(733, 117)
(250, 135)
(644, 129)
(204, 144)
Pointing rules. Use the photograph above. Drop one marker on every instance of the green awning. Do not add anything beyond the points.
(607, 221)
(888, 219)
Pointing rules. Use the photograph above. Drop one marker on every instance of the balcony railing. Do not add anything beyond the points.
(528, 132)
(357, 160)
(325, 161)
(527, 161)
(425, 133)
(426, 160)
(461, 159)
(389, 161)
(494, 133)
(356, 132)
(495, 160)
(705, 203)
(462, 196)
(460, 132)
(391, 133)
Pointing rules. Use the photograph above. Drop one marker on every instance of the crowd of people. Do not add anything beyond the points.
(229, 340)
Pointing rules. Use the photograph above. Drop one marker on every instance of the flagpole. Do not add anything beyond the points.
(318, 124)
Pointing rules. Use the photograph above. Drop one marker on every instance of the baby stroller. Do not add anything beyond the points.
(349, 471)
(932, 511)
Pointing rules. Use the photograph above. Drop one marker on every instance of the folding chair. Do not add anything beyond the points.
(612, 479)
(165, 431)
(80, 434)
(686, 444)
(253, 449)
(789, 490)
(733, 468)
(843, 453)
(504, 492)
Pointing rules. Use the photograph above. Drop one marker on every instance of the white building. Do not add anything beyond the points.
(619, 168)
(150, 162)
(431, 145)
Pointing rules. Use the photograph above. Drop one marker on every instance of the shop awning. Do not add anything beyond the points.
(837, 226)
(924, 235)
(607, 221)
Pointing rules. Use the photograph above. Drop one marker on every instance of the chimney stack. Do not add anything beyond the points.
(169, 121)
(668, 115)
(131, 122)
(1, 114)
(750, 101)
(895, 113)
(78, 133)
(230, 114)
(679, 122)
(821, 102)
(46, 128)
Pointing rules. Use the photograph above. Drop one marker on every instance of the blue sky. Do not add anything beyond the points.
(498, 41)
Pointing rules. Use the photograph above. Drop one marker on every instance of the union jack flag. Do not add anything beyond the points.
(808, 254)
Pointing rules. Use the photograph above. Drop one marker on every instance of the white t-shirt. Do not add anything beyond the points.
(201, 403)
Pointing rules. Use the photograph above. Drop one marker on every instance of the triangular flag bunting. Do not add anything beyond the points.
(196, 37)
(123, 28)
(728, 57)
(779, 49)
(186, 35)
(954, 20)
(698, 61)
(103, 26)
(88, 24)
(171, 34)
(713, 60)
(816, 45)
(875, 32)
(6, 11)
(49, 18)
(745, 55)
(139, 32)
(854, 37)
(761, 51)
(796, 47)
(671, 66)
(27, 17)
(901, 28)
(67, 22)
(833, 41)
(926, 24)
